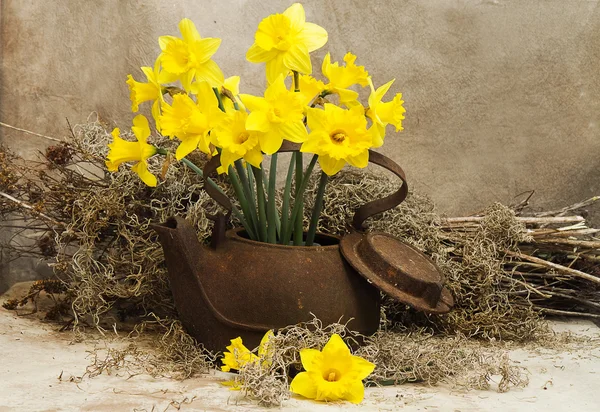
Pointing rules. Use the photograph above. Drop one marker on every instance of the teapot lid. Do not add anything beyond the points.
(398, 269)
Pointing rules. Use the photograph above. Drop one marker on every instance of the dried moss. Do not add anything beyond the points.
(472, 263)
(404, 356)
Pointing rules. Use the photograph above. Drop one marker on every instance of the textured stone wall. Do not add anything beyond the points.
(502, 96)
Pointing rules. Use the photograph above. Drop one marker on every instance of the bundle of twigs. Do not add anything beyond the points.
(558, 263)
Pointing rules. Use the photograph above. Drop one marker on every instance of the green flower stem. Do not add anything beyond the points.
(251, 186)
(298, 201)
(248, 192)
(211, 182)
(239, 192)
(219, 99)
(271, 206)
(262, 213)
(285, 208)
(316, 213)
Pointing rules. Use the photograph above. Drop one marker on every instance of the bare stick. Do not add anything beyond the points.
(567, 313)
(530, 220)
(567, 209)
(30, 132)
(573, 272)
(538, 275)
(582, 243)
(562, 233)
(28, 206)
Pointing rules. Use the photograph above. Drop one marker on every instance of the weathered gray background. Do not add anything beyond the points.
(502, 96)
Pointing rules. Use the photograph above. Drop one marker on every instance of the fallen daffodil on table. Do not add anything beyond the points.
(332, 374)
(237, 356)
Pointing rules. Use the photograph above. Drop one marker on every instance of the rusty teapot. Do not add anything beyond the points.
(240, 287)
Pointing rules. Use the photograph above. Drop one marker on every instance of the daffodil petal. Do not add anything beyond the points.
(336, 345)
(166, 77)
(140, 128)
(163, 41)
(255, 157)
(316, 118)
(156, 113)
(232, 84)
(313, 36)
(330, 166)
(258, 121)
(296, 15)
(275, 67)
(346, 95)
(326, 64)
(205, 96)
(148, 72)
(210, 72)
(187, 78)
(293, 131)
(375, 98)
(186, 147)
(227, 159)
(313, 144)
(270, 142)
(377, 134)
(361, 367)
(355, 392)
(205, 48)
(276, 88)
(303, 385)
(142, 171)
(188, 31)
(361, 160)
(254, 103)
(257, 54)
(298, 59)
(310, 358)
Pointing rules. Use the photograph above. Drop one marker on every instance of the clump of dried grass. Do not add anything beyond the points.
(166, 352)
(415, 356)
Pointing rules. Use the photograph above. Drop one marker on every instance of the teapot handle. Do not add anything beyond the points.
(360, 215)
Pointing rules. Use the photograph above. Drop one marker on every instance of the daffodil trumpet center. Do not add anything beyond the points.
(242, 137)
(332, 375)
(338, 136)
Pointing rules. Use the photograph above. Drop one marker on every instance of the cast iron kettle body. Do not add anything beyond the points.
(240, 287)
(244, 288)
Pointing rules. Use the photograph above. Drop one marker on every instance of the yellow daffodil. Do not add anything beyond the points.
(309, 88)
(284, 41)
(121, 151)
(151, 91)
(191, 122)
(236, 141)
(338, 136)
(382, 114)
(278, 115)
(238, 355)
(332, 374)
(342, 77)
(189, 58)
(232, 84)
